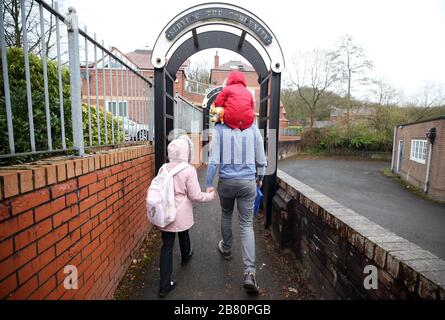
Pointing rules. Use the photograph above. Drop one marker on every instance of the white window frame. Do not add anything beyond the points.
(418, 150)
(124, 102)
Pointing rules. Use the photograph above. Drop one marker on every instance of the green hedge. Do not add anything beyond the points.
(361, 138)
(362, 141)
(94, 131)
(19, 106)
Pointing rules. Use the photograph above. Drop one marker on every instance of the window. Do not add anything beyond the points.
(122, 108)
(418, 150)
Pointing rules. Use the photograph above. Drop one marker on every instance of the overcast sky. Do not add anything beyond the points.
(404, 38)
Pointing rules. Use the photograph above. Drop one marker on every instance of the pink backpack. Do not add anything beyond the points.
(161, 209)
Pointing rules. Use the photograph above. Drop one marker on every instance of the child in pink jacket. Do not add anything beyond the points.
(187, 189)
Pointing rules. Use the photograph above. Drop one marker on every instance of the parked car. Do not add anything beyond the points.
(135, 131)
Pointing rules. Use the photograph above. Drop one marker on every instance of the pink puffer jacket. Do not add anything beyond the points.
(186, 184)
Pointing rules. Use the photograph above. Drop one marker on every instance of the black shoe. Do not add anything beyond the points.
(226, 254)
(186, 260)
(164, 293)
(250, 283)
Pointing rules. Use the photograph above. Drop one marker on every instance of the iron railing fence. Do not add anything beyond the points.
(187, 116)
(197, 87)
(86, 96)
(289, 132)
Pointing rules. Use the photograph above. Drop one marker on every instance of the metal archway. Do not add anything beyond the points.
(180, 39)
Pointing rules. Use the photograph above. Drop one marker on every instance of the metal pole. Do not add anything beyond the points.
(59, 74)
(6, 86)
(139, 125)
(111, 97)
(150, 112)
(262, 121)
(88, 90)
(131, 108)
(135, 105)
(97, 91)
(104, 95)
(118, 99)
(169, 108)
(141, 106)
(272, 150)
(428, 166)
(160, 108)
(45, 78)
(128, 100)
(393, 147)
(122, 103)
(147, 113)
(75, 81)
(28, 79)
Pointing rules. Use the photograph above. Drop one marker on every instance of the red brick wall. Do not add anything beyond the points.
(87, 212)
(414, 172)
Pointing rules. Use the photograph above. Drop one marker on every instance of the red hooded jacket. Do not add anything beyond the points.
(237, 102)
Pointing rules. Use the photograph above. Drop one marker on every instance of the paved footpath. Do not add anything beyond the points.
(209, 276)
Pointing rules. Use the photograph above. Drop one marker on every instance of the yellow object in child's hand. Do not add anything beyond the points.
(216, 114)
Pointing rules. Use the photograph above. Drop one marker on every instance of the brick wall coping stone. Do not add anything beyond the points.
(24, 178)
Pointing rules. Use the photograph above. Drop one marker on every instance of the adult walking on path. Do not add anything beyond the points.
(239, 158)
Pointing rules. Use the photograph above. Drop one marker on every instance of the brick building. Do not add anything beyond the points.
(136, 103)
(419, 159)
(219, 73)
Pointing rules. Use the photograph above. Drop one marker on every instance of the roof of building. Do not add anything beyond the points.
(142, 57)
(362, 110)
(235, 65)
(422, 121)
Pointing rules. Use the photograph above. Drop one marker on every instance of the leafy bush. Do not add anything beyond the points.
(19, 108)
(361, 138)
(311, 138)
(94, 131)
(19, 105)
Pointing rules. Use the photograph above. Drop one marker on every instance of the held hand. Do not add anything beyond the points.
(210, 189)
(212, 194)
(259, 183)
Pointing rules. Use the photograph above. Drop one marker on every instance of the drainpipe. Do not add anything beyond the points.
(393, 148)
(431, 135)
(425, 188)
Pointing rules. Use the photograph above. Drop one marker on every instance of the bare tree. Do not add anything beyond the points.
(198, 76)
(314, 73)
(353, 65)
(384, 93)
(431, 95)
(14, 28)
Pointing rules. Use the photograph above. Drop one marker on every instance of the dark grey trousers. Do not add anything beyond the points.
(244, 192)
